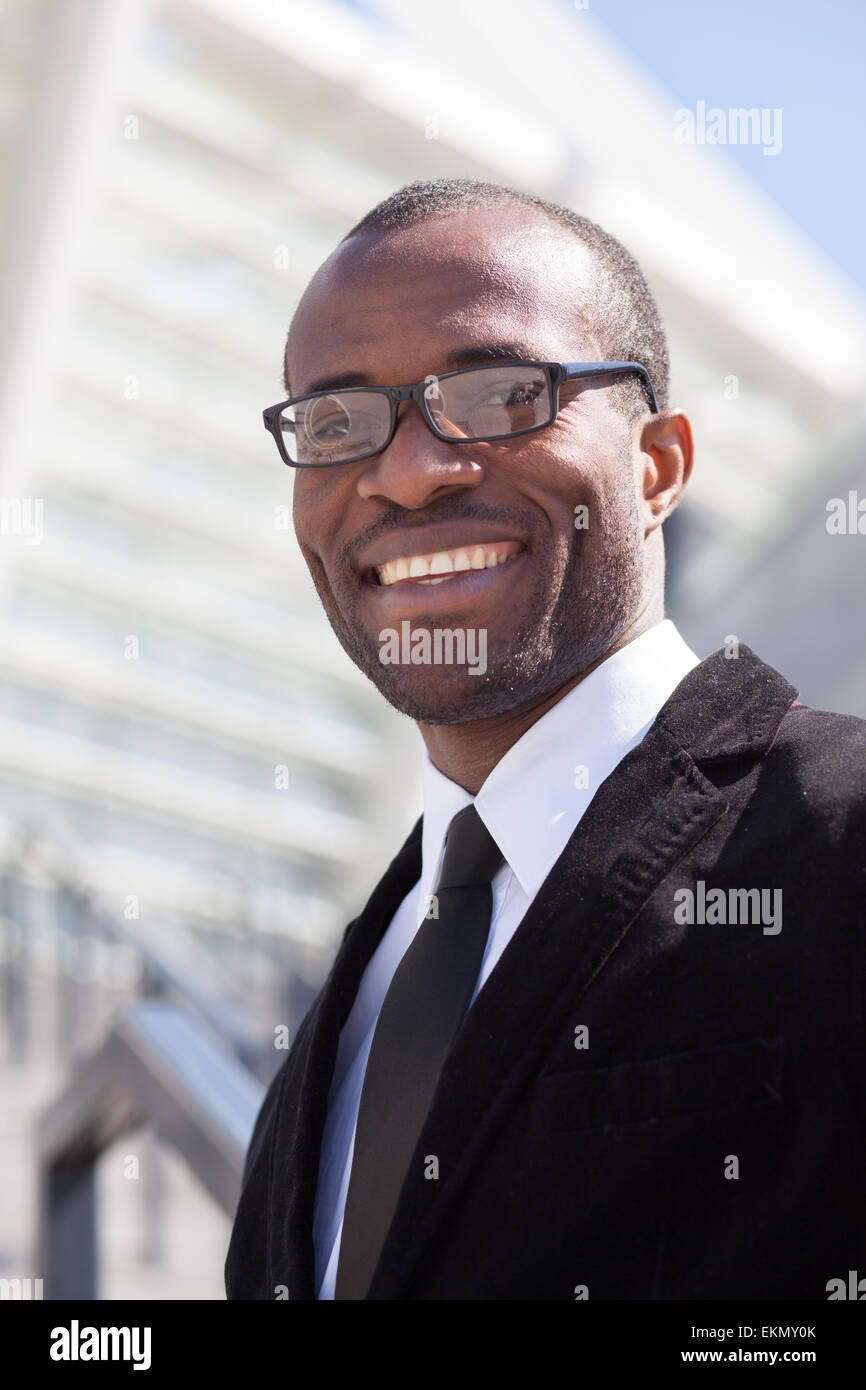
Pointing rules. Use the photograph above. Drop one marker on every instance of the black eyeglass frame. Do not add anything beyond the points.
(557, 373)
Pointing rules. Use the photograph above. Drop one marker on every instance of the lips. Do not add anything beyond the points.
(431, 567)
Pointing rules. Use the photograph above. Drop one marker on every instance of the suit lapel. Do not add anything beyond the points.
(651, 811)
(294, 1172)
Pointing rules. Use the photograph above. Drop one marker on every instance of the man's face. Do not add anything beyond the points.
(390, 309)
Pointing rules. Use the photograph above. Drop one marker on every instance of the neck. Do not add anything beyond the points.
(468, 753)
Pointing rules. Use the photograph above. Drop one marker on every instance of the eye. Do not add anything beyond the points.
(326, 423)
(326, 432)
(333, 426)
(523, 395)
(509, 396)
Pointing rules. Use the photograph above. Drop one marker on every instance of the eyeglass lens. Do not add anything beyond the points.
(489, 402)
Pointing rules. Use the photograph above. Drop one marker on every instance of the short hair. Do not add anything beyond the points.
(628, 324)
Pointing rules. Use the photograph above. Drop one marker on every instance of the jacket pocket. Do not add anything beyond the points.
(735, 1075)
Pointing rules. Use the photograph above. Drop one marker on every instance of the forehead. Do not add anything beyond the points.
(385, 305)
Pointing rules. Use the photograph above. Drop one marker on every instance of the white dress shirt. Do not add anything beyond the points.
(531, 803)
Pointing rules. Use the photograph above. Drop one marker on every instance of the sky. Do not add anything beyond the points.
(809, 59)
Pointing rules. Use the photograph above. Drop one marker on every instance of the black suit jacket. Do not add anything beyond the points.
(709, 1140)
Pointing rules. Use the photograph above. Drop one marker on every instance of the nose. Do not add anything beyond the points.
(417, 466)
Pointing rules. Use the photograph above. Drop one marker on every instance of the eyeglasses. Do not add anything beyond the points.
(475, 405)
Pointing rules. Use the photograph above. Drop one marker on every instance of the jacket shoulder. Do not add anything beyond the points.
(821, 756)
(824, 739)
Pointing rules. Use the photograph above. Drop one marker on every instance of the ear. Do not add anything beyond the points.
(665, 462)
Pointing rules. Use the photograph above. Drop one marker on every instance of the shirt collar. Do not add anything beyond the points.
(535, 796)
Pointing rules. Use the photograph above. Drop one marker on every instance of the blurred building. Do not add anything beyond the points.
(182, 740)
(173, 705)
(797, 600)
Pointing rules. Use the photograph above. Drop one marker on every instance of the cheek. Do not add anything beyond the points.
(313, 510)
(564, 476)
(596, 456)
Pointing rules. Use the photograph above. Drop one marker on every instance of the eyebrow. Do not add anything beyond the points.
(458, 357)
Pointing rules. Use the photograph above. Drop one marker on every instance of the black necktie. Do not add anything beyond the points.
(418, 1022)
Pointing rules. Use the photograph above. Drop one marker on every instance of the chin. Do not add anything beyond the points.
(452, 702)
(456, 699)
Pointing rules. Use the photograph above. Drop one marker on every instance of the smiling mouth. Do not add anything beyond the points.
(440, 566)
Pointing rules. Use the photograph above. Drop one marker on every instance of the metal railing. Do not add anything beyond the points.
(173, 1042)
(160, 1067)
(157, 962)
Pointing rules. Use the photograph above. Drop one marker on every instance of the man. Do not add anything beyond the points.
(598, 1033)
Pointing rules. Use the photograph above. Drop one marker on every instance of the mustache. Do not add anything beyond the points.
(394, 519)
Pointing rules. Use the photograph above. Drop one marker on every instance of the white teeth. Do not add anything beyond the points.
(435, 568)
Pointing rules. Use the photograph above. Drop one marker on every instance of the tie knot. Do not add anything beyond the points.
(472, 856)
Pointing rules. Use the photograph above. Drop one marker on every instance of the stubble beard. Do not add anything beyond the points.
(599, 596)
